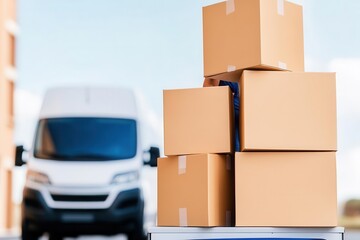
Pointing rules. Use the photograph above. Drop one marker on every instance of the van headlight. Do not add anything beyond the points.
(37, 177)
(125, 177)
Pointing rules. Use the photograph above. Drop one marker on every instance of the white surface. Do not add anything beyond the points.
(89, 101)
(181, 233)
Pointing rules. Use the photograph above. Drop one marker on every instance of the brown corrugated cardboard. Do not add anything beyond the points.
(286, 189)
(287, 111)
(198, 120)
(257, 34)
(195, 190)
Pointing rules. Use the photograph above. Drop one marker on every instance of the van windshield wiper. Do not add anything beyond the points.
(53, 156)
(91, 157)
(76, 157)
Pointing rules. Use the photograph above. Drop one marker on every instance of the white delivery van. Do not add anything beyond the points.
(84, 171)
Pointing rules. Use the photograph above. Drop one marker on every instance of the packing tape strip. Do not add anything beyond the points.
(230, 6)
(228, 219)
(282, 65)
(228, 162)
(231, 68)
(183, 217)
(280, 7)
(182, 164)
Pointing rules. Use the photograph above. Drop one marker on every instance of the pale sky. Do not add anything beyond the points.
(155, 45)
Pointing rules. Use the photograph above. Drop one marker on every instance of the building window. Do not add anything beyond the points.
(12, 51)
(11, 102)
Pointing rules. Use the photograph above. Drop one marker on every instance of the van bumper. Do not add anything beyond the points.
(124, 216)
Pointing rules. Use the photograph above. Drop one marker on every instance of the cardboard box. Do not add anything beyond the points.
(287, 111)
(252, 34)
(198, 120)
(286, 189)
(196, 190)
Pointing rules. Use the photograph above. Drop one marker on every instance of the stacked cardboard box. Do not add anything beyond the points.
(196, 180)
(286, 189)
(285, 174)
(252, 34)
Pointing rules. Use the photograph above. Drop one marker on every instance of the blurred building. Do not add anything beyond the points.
(8, 31)
(352, 208)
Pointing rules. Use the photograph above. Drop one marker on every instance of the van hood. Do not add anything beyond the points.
(66, 173)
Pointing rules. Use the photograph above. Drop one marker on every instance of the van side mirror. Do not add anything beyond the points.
(154, 155)
(19, 161)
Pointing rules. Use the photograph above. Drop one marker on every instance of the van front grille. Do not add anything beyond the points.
(79, 198)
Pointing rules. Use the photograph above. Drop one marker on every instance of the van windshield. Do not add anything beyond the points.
(85, 139)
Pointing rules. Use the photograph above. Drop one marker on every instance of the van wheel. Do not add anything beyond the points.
(27, 233)
(139, 234)
(136, 236)
(54, 236)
